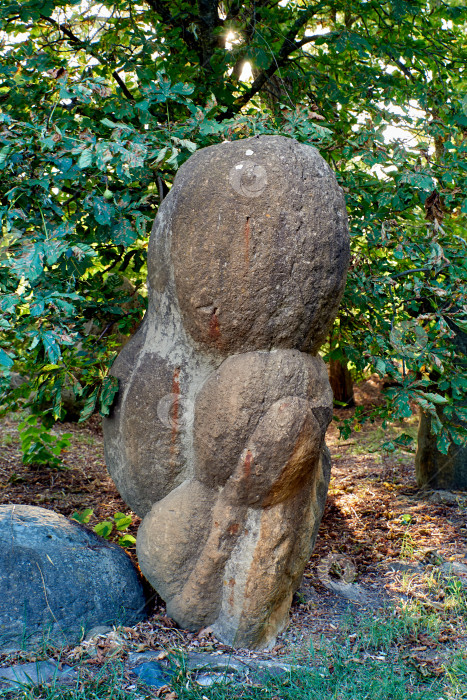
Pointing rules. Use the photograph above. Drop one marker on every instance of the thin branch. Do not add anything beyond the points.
(418, 269)
(401, 67)
(410, 272)
(76, 40)
(124, 88)
(289, 45)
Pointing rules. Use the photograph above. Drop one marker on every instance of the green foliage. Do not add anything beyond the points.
(403, 440)
(100, 105)
(119, 523)
(84, 517)
(104, 529)
(39, 446)
(109, 529)
(406, 519)
(408, 545)
(106, 393)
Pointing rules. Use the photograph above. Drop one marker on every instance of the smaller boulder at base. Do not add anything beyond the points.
(58, 580)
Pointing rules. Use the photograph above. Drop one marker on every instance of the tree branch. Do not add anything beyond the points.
(122, 85)
(418, 269)
(289, 45)
(401, 67)
(77, 41)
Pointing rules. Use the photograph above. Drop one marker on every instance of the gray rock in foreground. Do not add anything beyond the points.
(58, 580)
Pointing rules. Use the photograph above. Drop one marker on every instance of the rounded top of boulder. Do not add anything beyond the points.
(259, 246)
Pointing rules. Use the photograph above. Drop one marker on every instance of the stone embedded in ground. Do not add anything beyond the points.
(457, 569)
(351, 591)
(98, 631)
(206, 669)
(58, 580)
(444, 497)
(404, 567)
(36, 673)
(217, 438)
(153, 673)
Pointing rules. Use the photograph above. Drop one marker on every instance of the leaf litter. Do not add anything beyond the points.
(403, 544)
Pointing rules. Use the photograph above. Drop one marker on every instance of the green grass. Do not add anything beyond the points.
(453, 592)
(108, 684)
(84, 439)
(335, 675)
(371, 440)
(368, 660)
(381, 632)
(457, 676)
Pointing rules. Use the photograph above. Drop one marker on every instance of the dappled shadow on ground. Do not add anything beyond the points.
(400, 543)
(395, 536)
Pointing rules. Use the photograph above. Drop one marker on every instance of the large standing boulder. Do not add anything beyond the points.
(58, 580)
(217, 438)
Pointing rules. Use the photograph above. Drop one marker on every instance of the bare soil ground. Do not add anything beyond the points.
(397, 542)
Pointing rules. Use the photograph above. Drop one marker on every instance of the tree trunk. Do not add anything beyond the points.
(435, 470)
(341, 383)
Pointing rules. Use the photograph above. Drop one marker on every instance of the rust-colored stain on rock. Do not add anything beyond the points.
(234, 528)
(247, 463)
(175, 408)
(214, 328)
(232, 591)
(246, 236)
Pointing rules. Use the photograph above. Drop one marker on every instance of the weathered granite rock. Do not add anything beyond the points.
(217, 438)
(153, 673)
(58, 579)
(259, 263)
